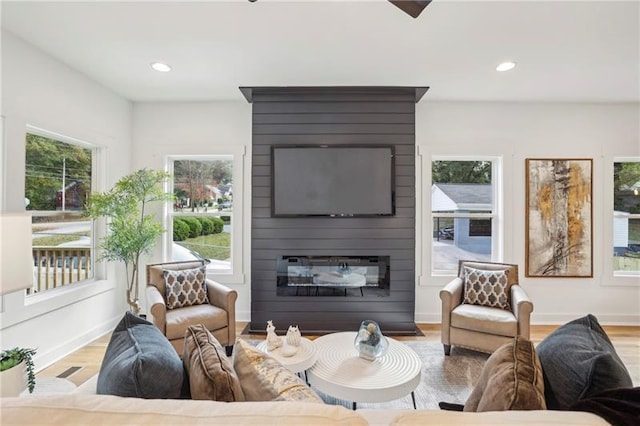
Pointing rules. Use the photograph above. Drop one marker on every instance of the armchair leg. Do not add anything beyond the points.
(447, 349)
(229, 350)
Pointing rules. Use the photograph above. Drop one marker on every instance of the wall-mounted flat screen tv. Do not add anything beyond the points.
(339, 181)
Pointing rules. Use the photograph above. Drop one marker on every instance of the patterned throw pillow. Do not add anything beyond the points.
(186, 287)
(486, 288)
(263, 378)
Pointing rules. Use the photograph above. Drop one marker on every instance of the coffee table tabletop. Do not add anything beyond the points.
(341, 373)
(301, 361)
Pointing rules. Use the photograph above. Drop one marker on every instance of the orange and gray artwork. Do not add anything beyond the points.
(559, 218)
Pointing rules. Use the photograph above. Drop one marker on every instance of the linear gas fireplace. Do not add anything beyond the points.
(333, 276)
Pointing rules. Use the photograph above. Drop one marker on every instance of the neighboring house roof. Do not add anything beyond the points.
(214, 190)
(461, 196)
(630, 187)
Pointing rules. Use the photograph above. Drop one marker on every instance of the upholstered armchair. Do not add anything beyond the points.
(217, 313)
(484, 307)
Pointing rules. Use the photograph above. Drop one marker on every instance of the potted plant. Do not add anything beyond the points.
(131, 231)
(14, 363)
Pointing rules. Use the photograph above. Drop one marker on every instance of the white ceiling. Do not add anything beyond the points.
(566, 51)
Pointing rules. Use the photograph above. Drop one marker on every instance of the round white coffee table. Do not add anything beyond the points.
(298, 363)
(341, 373)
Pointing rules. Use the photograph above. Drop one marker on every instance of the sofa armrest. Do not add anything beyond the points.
(224, 298)
(522, 307)
(157, 308)
(221, 295)
(451, 296)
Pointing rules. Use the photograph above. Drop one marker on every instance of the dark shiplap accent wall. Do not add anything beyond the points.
(333, 116)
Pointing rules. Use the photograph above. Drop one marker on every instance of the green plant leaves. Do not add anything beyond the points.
(131, 231)
(11, 357)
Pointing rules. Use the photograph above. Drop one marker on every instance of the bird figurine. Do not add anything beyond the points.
(273, 340)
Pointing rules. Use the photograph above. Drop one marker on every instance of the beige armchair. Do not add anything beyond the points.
(218, 316)
(482, 328)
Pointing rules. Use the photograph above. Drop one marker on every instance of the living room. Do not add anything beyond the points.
(584, 107)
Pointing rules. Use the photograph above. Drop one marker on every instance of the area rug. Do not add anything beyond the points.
(51, 385)
(444, 378)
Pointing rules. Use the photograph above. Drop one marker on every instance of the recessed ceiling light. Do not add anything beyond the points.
(160, 66)
(506, 66)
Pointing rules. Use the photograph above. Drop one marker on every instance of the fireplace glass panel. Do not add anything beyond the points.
(357, 276)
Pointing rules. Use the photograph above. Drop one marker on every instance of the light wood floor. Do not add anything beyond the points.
(626, 340)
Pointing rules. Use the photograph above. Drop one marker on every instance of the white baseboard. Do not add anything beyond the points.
(44, 360)
(428, 318)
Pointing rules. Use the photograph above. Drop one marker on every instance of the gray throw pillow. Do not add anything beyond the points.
(578, 361)
(140, 362)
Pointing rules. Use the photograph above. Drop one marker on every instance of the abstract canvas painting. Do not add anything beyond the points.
(559, 218)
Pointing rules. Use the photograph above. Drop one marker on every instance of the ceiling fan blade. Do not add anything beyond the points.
(411, 7)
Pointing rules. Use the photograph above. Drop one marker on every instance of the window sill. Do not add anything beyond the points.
(18, 307)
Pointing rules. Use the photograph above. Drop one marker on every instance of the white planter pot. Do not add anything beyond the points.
(13, 381)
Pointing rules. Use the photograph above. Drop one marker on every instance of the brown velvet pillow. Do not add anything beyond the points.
(263, 378)
(210, 371)
(511, 379)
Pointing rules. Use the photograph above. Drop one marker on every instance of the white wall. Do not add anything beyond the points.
(514, 131)
(204, 128)
(517, 131)
(40, 91)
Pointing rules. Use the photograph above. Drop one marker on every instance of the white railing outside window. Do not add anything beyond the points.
(58, 180)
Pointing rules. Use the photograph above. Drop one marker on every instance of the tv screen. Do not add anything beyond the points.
(339, 181)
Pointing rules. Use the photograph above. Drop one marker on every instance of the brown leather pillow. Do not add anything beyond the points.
(511, 379)
(210, 371)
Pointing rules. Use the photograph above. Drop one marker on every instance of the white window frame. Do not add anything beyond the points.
(95, 166)
(235, 275)
(429, 275)
(611, 276)
(17, 306)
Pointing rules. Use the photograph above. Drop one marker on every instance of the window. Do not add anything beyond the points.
(463, 211)
(57, 182)
(626, 217)
(202, 214)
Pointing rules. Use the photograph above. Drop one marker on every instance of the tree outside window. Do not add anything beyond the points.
(57, 184)
(201, 216)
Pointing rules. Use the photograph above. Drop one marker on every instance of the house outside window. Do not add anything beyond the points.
(626, 217)
(463, 211)
(202, 216)
(58, 180)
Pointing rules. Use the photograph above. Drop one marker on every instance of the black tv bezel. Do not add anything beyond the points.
(336, 215)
